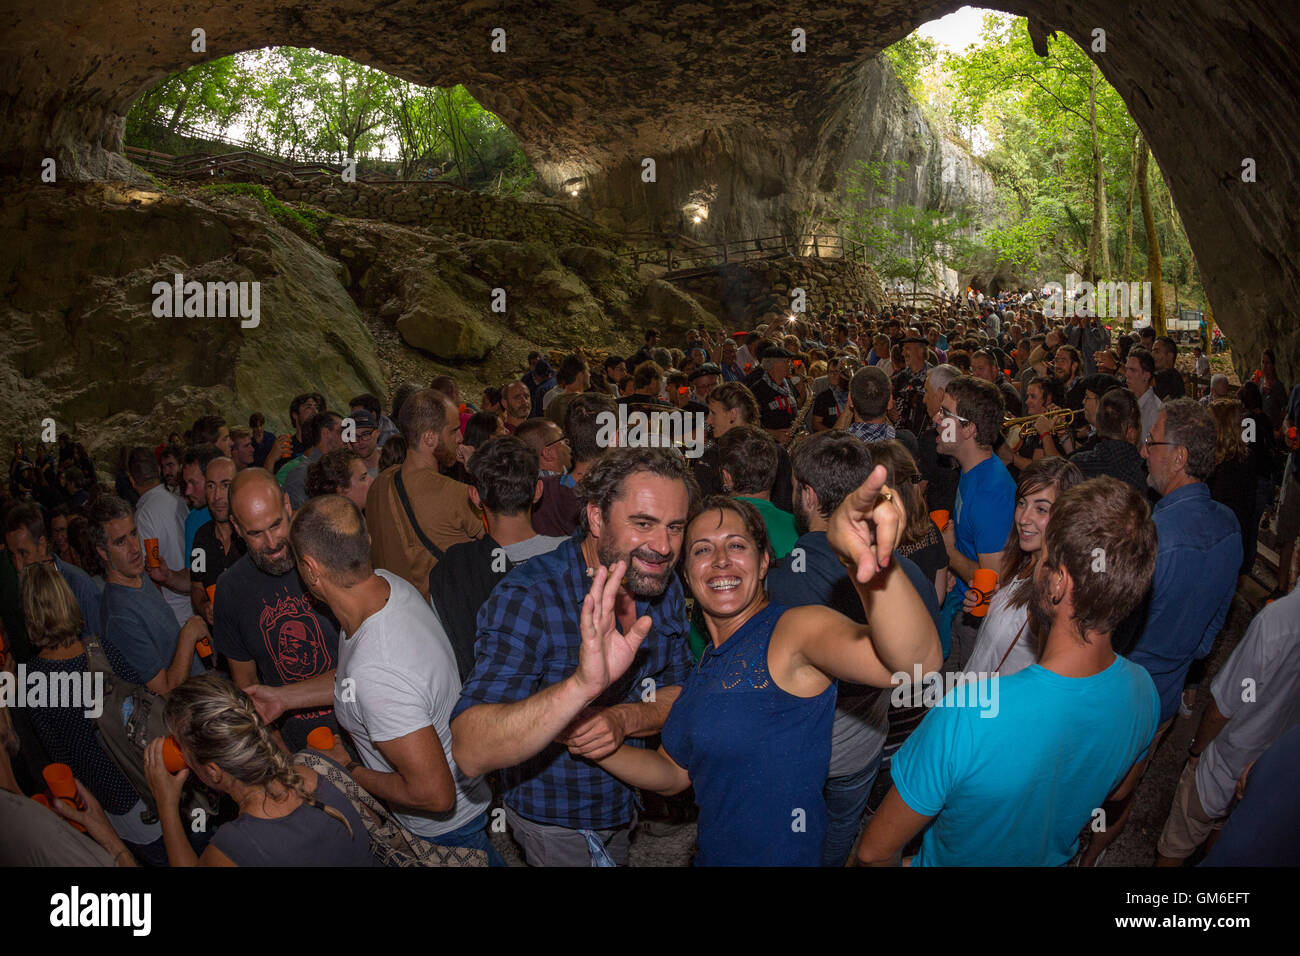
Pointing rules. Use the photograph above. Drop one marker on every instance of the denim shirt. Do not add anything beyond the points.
(1195, 579)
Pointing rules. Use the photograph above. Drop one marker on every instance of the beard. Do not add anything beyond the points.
(445, 455)
(277, 567)
(802, 520)
(638, 583)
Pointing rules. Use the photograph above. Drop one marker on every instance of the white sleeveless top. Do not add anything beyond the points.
(997, 631)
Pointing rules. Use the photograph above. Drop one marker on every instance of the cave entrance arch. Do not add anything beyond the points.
(591, 91)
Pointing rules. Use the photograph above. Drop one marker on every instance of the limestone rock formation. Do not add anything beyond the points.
(83, 343)
(592, 89)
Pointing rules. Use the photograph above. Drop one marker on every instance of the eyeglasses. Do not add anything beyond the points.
(1149, 443)
(944, 413)
(562, 438)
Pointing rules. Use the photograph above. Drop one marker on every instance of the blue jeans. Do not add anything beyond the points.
(472, 836)
(846, 800)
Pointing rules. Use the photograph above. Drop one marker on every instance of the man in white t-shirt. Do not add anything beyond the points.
(396, 681)
(160, 514)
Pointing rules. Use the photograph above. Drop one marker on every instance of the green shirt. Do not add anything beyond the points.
(781, 533)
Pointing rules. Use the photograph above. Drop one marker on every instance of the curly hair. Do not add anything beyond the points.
(603, 484)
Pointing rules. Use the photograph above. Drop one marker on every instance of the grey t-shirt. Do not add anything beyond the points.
(396, 675)
(1258, 690)
(31, 835)
(521, 551)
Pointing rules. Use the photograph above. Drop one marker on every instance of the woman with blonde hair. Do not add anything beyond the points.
(288, 815)
(921, 541)
(54, 628)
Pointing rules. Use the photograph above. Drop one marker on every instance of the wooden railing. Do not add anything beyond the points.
(684, 255)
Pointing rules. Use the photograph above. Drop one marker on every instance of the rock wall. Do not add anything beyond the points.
(446, 210)
(745, 294)
(83, 344)
(752, 185)
(590, 88)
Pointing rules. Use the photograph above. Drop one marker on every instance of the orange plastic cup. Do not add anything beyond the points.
(63, 786)
(151, 555)
(43, 800)
(940, 519)
(204, 647)
(985, 582)
(321, 738)
(212, 593)
(173, 759)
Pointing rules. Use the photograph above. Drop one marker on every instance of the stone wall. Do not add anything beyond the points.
(744, 294)
(446, 211)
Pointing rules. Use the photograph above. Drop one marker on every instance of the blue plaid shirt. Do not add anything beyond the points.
(528, 639)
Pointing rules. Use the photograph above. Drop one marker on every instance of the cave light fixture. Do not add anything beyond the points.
(573, 186)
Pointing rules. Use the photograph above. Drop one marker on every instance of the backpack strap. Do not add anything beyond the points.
(410, 516)
(97, 660)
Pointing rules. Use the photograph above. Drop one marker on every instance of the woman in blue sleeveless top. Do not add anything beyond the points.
(751, 729)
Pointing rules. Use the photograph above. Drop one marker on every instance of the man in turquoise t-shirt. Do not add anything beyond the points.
(969, 421)
(1007, 771)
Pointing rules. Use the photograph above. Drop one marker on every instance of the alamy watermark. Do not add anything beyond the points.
(1105, 300)
(208, 300)
(83, 689)
(670, 428)
(955, 689)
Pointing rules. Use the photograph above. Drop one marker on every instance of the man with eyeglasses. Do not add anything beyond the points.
(1196, 569)
(969, 421)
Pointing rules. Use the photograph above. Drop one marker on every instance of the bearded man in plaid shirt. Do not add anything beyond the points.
(525, 706)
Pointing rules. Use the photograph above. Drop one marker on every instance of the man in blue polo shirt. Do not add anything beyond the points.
(969, 421)
(526, 708)
(1013, 786)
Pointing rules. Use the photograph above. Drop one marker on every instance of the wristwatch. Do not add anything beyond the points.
(351, 766)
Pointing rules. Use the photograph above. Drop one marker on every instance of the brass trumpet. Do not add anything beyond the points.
(1064, 417)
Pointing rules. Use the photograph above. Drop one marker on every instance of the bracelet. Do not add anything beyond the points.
(119, 854)
(1043, 435)
(351, 766)
(1194, 756)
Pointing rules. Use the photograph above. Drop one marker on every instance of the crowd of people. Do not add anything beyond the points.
(934, 591)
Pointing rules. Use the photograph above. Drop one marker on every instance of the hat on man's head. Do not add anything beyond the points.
(708, 368)
(363, 418)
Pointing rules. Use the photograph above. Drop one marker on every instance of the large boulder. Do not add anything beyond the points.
(668, 307)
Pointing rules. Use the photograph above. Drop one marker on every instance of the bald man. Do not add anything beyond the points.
(281, 645)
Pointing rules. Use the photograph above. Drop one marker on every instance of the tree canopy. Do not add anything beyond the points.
(308, 106)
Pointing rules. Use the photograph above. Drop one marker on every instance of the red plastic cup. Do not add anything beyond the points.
(321, 738)
(151, 555)
(940, 519)
(43, 800)
(212, 593)
(985, 582)
(173, 759)
(204, 647)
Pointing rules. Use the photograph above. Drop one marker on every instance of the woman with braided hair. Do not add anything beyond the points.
(288, 816)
